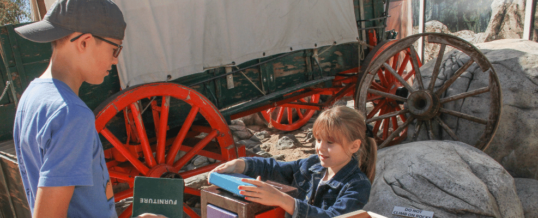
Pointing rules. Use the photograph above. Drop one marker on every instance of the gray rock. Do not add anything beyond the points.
(254, 119)
(280, 157)
(307, 126)
(287, 142)
(264, 154)
(262, 134)
(201, 135)
(236, 139)
(515, 144)
(309, 136)
(451, 179)
(265, 147)
(249, 143)
(199, 161)
(255, 138)
(197, 181)
(527, 190)
(256, 128)
(189, 167)
(243, 134)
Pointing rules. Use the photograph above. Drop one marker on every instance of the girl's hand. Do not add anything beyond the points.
(266, 194)
(233, 166)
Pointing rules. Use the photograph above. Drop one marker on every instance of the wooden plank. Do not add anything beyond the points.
(8, 147)
(13, 182)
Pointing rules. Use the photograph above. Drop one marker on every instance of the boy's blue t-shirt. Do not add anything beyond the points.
(57, 145)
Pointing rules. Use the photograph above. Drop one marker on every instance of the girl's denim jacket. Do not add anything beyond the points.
(347, 191)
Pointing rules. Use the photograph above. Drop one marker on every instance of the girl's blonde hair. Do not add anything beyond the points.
(343, 125)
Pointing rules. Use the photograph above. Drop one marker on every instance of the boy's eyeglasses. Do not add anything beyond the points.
(116, 50)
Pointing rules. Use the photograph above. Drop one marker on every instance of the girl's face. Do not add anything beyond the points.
(333, 154)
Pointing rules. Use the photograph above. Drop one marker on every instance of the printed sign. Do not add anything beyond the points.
(410, 212)
(159, 196)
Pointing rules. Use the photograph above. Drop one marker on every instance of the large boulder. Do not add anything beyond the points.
(515, 61)
(507, 20)
(527, 190)
(451, 179)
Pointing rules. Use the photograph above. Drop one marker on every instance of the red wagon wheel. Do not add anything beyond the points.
(275, 115)
(385, 82)
(154, 154)
(425, 106)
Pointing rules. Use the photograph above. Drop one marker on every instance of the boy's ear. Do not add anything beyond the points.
(82, 42)
(356, 145)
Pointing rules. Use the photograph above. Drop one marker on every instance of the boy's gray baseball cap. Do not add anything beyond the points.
(98, 17)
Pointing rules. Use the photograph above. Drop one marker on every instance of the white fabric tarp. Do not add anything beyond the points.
(182, 37)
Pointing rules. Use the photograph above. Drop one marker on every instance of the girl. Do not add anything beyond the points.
(335, 181)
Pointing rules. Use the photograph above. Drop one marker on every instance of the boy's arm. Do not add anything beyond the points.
(53, 201)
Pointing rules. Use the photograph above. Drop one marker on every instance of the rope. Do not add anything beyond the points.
(5, 90)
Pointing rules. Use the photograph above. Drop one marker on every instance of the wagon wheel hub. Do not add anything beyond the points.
(423, 104)
(160, 170)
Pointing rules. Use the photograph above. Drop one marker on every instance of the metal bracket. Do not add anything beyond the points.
(229, 78)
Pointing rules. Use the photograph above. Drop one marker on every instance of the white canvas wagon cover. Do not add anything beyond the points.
(182, 37)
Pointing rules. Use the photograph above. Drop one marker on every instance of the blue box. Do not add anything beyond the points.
(229, 182)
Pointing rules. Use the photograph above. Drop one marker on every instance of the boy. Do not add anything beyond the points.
(59, 153)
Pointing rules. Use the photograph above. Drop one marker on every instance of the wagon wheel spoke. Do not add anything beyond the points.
(387, 95)
(376, 86)
(384, 116)
(417, 129)
(378, 124)
(404, 63)
(382, 78)
(447, 129)
(465, 95)
(189, 155)
(141, 129)
(396, 132)
(124, 151)
(122, 176)
(376, 109)
(394, 122)
(437, 67)
(402, 116)
(290, 115)
(303, 107)
(464, 116)
(430, 134)
(123, 194)
(181, 135)
(280, 114)
(189, 211)
(299, 113)
(398, 77)
(454, 77)
(386, 125)
(416, 67)
(162, 127)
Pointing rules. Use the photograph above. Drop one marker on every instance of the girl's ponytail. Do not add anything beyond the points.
(368, 157)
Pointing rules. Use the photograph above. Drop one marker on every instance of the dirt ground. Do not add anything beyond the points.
(303, 150)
